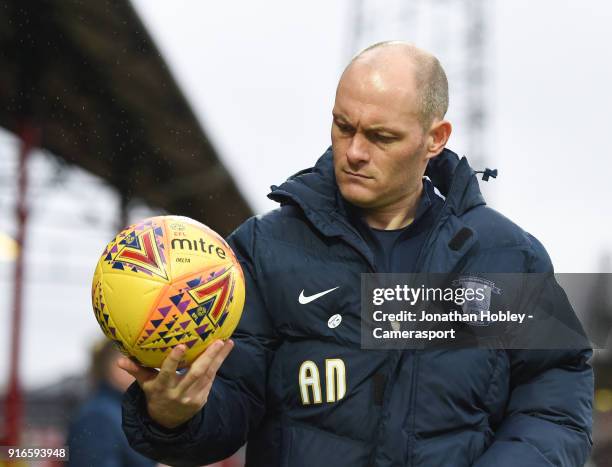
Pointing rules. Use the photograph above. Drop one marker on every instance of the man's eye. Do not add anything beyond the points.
(382, 138)
(344, 128)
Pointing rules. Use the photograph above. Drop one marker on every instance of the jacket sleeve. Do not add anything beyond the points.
(547, 420)
(548, 417)
(236, 404)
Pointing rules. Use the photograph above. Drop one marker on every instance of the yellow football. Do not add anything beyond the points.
(165, 281)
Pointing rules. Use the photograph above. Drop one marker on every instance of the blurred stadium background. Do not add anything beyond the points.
(111, 111)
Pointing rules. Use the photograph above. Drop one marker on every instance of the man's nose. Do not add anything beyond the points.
(357, 152)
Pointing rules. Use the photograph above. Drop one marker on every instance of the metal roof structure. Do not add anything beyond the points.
(88, 76)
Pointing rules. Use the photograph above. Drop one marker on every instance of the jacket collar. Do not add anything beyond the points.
(316, 192)
(456, 180)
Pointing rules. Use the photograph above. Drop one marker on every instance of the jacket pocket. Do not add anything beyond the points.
(305, 446)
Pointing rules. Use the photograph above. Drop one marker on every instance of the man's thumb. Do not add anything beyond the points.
(140, 373)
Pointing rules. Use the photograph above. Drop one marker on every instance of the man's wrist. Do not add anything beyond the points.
(155, 431)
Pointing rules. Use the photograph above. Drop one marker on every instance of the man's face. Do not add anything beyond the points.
(377, 139)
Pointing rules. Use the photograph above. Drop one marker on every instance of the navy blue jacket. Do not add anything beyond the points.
(462, 407)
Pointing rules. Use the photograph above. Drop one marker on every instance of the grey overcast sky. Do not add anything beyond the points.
(261, 77)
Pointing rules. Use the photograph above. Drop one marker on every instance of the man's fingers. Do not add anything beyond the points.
(140, 373)
(220, 358)
(167, 372)
(200, 366)
(214, 366)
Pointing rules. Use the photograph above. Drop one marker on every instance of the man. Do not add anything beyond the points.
(95, 437)
(297, 386)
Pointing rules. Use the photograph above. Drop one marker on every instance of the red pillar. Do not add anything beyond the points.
(13, 402)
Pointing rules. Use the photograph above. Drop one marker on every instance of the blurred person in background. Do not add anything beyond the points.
(95, 437)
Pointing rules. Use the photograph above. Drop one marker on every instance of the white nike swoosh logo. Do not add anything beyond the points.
(304, 299)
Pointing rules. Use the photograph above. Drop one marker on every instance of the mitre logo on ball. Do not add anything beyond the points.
(165, 281)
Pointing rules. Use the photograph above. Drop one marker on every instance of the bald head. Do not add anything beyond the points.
(395, 63)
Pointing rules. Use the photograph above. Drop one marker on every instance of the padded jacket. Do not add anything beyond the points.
(302, 393)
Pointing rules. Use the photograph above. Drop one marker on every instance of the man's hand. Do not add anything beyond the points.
(172, 399)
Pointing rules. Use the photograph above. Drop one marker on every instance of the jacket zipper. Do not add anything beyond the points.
(394, 359)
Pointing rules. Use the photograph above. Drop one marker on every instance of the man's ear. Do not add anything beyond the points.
(437, 137)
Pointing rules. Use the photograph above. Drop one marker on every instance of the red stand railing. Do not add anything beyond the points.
(14, 402)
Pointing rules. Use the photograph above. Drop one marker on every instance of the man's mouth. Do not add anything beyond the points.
(356, 174)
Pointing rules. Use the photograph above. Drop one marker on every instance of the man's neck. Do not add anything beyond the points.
(397, 215)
